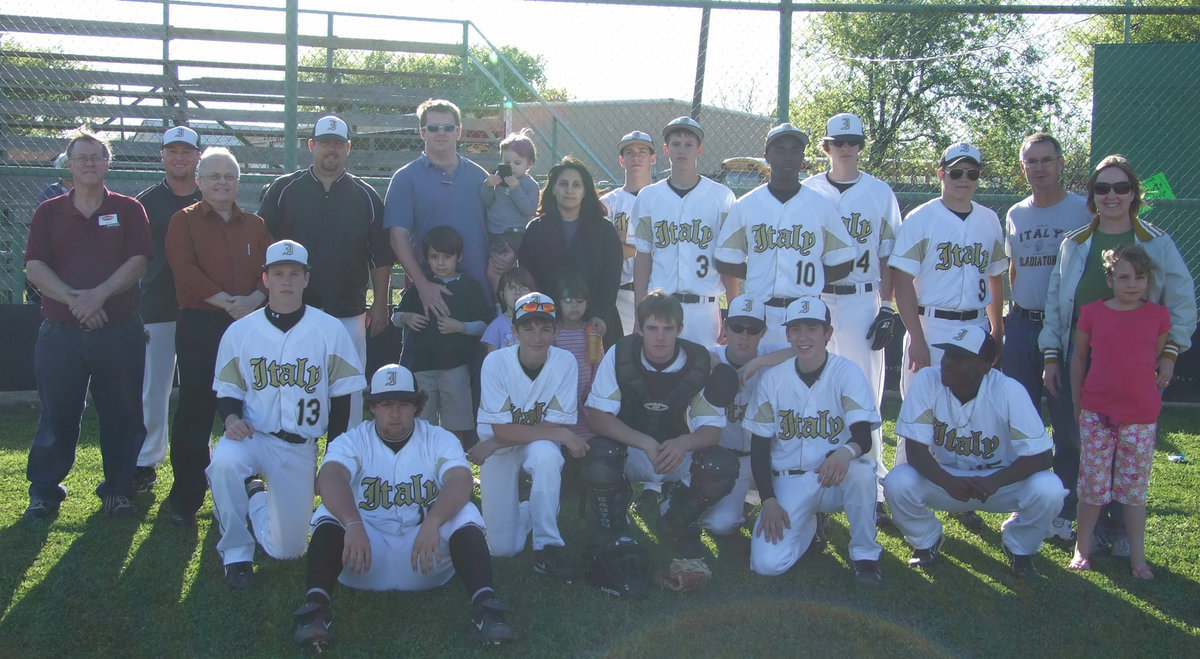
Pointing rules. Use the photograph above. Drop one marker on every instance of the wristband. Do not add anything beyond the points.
(887, 304)
(357, 521)
(852, 449)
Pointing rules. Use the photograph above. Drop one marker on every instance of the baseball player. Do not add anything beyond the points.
(396, 514)
(860, 304)
(529, 399)
(785, 240)
(978, 444)
(745, 351)
(676, 222)
(812, 419)
(636, 155)
(948, 261)
(284, 375)
(157, 304)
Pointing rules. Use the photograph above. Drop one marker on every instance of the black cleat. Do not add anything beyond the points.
(240, 575)
(970, 520)
(313, 627)
(144, 479)
(550, 562)
(487, 623)
(866, 573)
(924, 558)
(1020, 564)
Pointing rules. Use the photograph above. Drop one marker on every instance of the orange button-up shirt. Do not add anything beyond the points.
(209, 255)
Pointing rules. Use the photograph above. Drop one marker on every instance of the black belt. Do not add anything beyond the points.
(788, 472)
(688, 298)
(289, 437)
(742, 454)
(951, 315)
(847, 289)
(627, 287)
(781, 302)
(1035, 316)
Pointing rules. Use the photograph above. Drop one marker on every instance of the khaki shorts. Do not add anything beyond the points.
(450, 405)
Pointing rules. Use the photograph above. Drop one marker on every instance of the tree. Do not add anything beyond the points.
(922, 80)
(14, 57)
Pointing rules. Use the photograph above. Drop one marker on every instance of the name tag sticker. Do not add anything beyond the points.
(109, 220)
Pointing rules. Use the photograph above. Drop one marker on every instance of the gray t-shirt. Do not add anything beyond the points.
(1031, 238)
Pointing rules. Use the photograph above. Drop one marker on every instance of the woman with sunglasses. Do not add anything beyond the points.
(1114, 196)
(571, 234)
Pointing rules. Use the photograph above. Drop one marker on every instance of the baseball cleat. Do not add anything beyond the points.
(1020, 564)
(550, 562)
(240, 575)
(144, 479)
(487, 623)
(924, 558)
(866, 573)
(1060, 529)
(882, 519)
(314, 626)
(970, 520)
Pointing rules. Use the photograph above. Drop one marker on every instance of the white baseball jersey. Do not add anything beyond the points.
(871, 215)
(680, 235)
(733, 436)
(785, 246)
(805, 423)
(395, 489)
(509, 396)
(982, 436)
(285, 379)
(620, 208)
(950, 258)
(606, 393)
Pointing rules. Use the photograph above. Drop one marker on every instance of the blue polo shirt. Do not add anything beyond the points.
(422, 195)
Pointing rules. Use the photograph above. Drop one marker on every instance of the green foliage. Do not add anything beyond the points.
(921, 81)
(62, 90)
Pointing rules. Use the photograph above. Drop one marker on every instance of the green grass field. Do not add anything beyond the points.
(82, 584)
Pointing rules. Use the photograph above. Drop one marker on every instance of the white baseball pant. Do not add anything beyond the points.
(701, 323)
(510, 521)
(157, 381)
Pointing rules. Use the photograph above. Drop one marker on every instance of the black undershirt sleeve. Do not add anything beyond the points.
(227, 406)
(760, 466)
(860, 433)
(339, 416)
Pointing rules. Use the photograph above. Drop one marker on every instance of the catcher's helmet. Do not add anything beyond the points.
(620, 568)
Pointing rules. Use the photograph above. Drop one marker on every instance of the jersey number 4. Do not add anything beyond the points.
(308, 412)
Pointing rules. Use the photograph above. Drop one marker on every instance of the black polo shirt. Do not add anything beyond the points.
(158, 304)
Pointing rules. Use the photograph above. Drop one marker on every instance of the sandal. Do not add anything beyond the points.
(1144, 572)
(1080, 564)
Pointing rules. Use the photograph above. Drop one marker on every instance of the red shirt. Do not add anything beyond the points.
(1121, 382)
(209, 255)
(85, 251)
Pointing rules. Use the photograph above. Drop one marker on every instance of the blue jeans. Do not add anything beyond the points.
(1022, 361)
(66, 360)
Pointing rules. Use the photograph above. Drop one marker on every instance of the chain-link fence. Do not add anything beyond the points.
(581, 74)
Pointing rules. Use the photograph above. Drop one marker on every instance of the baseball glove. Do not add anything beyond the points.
(685, 575)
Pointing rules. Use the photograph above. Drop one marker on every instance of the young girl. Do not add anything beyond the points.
(1118, 403)
(499, 333)
(511, 201)
(572, 336)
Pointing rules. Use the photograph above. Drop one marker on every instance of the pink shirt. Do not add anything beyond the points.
(574, 341)
(1121, 382)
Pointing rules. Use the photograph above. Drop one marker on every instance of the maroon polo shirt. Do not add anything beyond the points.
(86, 251)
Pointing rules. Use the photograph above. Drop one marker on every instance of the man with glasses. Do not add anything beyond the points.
(339, 218)
(158, 307)
(85, 253)
(785, 240)
(1033, 232)
(438, 188)
(216, 252)
(636, 155)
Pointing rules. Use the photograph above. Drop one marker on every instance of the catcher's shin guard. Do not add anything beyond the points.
(608, 491)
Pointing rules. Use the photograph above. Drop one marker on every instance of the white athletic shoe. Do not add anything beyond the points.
(1060, 529)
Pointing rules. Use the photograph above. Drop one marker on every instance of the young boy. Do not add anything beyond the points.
(437, 349)
(529, 400)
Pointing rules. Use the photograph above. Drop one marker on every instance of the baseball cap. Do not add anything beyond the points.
(636, 137)
(961, 151)
(392, 382)
(744, 306)
(286, 252)
(533, 305)
(331, 127)
(181, 135)
(784, 130)
(806, 309)
(685, 123)
(844, 126)
(971, 340)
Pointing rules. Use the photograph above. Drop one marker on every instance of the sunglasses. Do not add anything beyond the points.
(742, 328)
(433, 128)
(534, 305)
(1123, 187)
(841, 143)
(958, 172)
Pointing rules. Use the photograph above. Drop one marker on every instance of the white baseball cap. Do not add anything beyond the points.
(392, 382)
(786, 130)
(971, 340)
(286, 252)
(806, 309)
(961, 151)
(844, 126)
(330, 127)
(533, 305)
(181, 135)
(744, 306)
(684, 123)
(636, 137)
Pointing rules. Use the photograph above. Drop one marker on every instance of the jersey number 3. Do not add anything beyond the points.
(308, 412)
